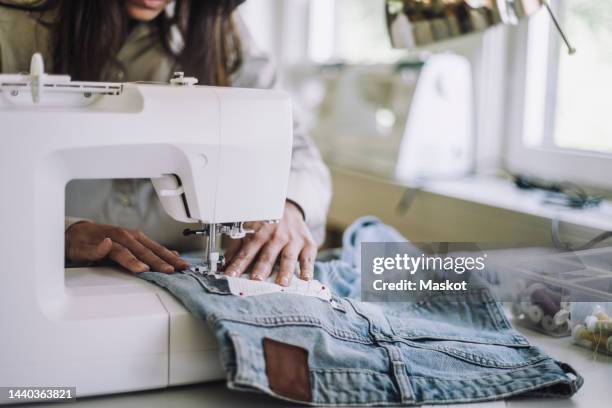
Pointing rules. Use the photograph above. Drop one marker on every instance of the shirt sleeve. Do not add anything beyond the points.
(309, 179)
(70, 221)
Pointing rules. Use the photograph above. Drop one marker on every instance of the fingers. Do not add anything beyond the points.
(86, 252)
(307, 258)
(170, 257)
(232, 248)
(267, 258)
(246, 254)
(288, 241)
(125, 258)
(288, 262)
(241, 253)
(251, 245)
(141, 252)
(88, 241)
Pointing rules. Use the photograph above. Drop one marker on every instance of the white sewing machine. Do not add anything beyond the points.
(218, 156)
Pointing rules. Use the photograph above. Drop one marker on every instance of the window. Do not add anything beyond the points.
(321, 31)
(584, 82)
(561, 126)
(352, 31)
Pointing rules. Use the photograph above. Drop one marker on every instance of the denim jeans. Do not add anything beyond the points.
(442, 349)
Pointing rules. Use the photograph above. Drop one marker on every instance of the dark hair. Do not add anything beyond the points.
(88, 34)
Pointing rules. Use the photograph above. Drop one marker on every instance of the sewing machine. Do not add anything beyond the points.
(216, 156)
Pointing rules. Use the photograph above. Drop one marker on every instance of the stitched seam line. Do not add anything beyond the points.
(349, 370)
(473, 358)
(313, 323)
(471, 340)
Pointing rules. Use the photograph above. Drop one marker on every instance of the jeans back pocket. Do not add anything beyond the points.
(473, 329)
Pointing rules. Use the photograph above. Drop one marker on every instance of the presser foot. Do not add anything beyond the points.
(213, 260)
(208, 268)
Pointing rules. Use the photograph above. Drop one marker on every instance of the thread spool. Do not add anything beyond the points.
(535, 314)
(589, 322)
(548, 301)
(555, 296)
(524, 306)
(564, 328)
(600, 312)
(561, 317)
(600, 327)
(577, 336)
(548, 324)
(576, 331)
(594, 339)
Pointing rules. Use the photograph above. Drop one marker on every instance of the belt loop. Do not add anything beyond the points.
(576, 379)
(400, 374)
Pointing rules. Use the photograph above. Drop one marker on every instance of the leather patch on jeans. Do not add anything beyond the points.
(287, 370)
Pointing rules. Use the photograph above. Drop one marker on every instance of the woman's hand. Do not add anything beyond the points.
(287, 241)
(91, 242)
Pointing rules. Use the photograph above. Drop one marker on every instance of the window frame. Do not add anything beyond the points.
(562, 164)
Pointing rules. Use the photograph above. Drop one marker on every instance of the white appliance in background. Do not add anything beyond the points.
(439, 133)
(405, 122)
(217, 156)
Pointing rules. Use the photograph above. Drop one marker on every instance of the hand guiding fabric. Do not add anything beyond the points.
(133, 250)
(287, 242)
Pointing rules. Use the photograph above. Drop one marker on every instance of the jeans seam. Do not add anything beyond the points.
(353, 338)
(239, 354)
(473, 358)
(493, 397)
(206, 286)
(509, 372)
(496, 316)
(349, 370)
(462, 339)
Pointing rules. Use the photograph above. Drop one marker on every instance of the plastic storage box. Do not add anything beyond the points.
(561, 294)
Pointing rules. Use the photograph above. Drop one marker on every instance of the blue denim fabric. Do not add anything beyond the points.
(447, 348)
(343, 274)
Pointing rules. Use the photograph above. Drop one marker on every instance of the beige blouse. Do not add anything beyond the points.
(133, 203)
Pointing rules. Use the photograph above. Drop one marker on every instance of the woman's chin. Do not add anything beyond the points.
(143, 11)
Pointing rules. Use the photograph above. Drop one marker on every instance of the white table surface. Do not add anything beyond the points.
(595, 393)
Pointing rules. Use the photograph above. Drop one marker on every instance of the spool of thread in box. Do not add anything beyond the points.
(549, 302)
(524, 306)
(577, 335)
(548, 324)
(561, 317)
(556, 324)
(585, 338)
(597, 326)
(546, 310)
(600, 313)
(535, 313)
